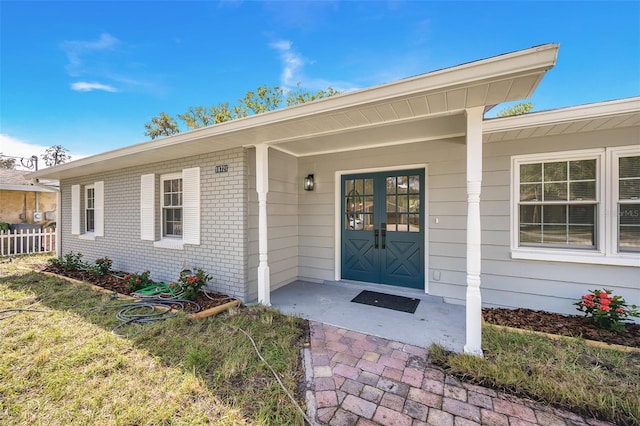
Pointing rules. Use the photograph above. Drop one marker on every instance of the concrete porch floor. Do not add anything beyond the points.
(330, 302)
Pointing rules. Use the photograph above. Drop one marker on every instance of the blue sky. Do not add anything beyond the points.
(89, 74)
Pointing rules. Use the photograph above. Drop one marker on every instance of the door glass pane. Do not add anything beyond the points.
(414, 184)
(391, 185)
(392, 206)
(414, 223)
(368, 187)
(403, 184)
(400, 205)
(358, 204)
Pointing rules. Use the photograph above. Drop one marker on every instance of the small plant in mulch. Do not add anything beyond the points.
(192, 283)
(102, 267)
(69, 262)
(606, 311)
(138, 281)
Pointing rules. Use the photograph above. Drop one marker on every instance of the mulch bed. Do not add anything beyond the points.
(565, 325)
(119, 285)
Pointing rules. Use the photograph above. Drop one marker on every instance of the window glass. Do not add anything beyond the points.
(628, 206)
(89, 209)
(558, 201)
(172, 207)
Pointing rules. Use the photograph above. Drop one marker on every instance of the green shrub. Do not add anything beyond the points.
(102, 267)
(138, 281)
(70, 262)
(192, 284)
(606, 311)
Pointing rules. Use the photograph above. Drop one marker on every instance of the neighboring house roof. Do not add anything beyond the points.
(15, 180)
(425, 107)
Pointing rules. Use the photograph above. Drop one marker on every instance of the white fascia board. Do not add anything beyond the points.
(25, 188)
(537, 59)
(562, 115)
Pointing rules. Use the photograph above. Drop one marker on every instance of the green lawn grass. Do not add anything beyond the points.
(601, 383)
(60, 363)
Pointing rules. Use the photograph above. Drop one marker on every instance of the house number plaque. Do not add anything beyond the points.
(222, 169)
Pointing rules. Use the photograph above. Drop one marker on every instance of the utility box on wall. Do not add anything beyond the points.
(37, 216)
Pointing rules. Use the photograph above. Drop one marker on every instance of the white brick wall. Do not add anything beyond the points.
(223, 200)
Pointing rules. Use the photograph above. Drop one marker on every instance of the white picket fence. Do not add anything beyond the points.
(27, 241)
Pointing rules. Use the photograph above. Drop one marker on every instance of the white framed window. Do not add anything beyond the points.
(577, 206)
(171, 205)
(179, 205)
(92, 210)
(89, 208)
(625, 199)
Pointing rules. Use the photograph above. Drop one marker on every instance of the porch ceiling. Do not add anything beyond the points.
(424, 107)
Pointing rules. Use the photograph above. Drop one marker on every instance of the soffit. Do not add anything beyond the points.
(615, 114)
(425, 107)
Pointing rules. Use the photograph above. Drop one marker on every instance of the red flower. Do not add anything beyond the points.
(605, 308)
(126, 277)
(620, 310)
(602, 294)
(589, 303)
(605, 301)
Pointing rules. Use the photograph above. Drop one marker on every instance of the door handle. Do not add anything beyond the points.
(375, 237)
(384, 235)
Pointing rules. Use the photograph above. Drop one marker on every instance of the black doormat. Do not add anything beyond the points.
(389, 301)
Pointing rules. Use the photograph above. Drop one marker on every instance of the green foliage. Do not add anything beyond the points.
(300, 96)
(138, 281)
(517, 109)
(257, 101)
(102, 267)
(4, 226)
(162, 125)
(606, 311)
(70, 262)
(56, 154)
(192, 284)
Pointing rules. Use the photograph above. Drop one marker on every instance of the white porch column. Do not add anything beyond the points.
(473, 344)
(262, 186)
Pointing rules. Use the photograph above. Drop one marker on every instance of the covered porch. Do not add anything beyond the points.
(434, 321)
(413, 124)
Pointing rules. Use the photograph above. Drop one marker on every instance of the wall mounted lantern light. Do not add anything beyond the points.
(308, 183)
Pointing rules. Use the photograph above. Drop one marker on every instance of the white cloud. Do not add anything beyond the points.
(77, 51)
(83, 86)
(293, 65)
(19, 148)
(16, 148)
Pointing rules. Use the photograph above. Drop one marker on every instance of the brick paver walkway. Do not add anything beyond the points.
(364, 380)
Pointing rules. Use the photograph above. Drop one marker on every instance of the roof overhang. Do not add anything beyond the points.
(424, 107)
(614, 114)
(24, 188)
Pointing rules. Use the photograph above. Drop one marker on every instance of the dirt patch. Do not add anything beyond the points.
(114, 283)
(565, 325)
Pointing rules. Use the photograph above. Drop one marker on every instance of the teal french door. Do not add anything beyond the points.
(383, 228)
